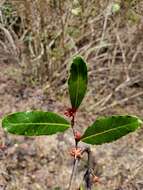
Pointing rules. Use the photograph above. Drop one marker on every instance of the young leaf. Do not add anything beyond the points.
(77, 82)
(34, 123)
(108, 129)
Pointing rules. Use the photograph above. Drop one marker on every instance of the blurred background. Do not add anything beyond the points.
(38, 39)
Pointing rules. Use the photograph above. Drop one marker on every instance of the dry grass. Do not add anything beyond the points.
(44, 35)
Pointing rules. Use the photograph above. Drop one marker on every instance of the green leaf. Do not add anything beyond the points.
(77, 81)
(116, 7)
(108, 129)
(34, 123)
(76, 11)
(81, 187)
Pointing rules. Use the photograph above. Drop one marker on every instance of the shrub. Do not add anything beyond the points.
(103, 130)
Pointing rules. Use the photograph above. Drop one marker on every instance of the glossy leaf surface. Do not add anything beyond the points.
(108, 129)
(34, 123)
(77, 82)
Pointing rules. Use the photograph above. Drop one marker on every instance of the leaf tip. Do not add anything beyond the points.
(140, 121)
(78, 59)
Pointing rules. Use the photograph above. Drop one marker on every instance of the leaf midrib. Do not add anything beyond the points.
(113, 129)
(76, 98)
(59, 124)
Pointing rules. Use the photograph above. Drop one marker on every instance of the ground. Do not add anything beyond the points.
(41, 163)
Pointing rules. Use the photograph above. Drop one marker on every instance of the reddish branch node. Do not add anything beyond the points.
(2, 147)
(70, 112)
(77, 135)
(76, 153)
(95, 179)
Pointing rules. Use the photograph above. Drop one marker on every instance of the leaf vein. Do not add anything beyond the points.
(76, 98)
(59, 124)
(113, 129)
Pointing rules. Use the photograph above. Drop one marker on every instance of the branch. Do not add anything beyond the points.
(76, 160)
(87, 174)
(75, 164)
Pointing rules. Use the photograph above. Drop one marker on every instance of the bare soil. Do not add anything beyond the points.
(42, 163)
